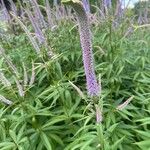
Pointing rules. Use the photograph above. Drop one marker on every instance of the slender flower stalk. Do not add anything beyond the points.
(86, 5)
(49, 13)
(6, 14)
(105, 7)
(36, 27)
(78, 90)
(4, 80)
(119, 10)
(25, 75)
(5, 101)
(21, 92)
(9, 62)
(123, 105)
(99, 117)
(107, 3)
(38, 13)
(32, 40)
(86, 44)
(14, 9)
(32, 79)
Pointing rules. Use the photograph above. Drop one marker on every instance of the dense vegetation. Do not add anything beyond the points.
(44, 102)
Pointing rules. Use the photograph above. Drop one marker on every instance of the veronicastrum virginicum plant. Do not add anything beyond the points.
(85, 38)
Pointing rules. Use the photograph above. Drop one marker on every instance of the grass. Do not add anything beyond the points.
(49, 113)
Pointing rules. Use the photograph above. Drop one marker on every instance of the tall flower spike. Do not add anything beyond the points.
(86, 5)
(86, 44)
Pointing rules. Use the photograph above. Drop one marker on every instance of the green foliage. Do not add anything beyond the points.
(52, 115)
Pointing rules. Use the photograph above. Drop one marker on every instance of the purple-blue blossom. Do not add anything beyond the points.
(93, 87)
(86, 5)
(107, 3)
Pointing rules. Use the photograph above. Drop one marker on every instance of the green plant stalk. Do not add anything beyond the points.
(100, 135)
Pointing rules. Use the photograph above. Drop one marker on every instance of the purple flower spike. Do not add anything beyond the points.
(86, 5)
(86, 44)
(107, 3)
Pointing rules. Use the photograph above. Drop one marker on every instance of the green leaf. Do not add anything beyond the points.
(144, 144)
(21, 132)
(57, 139)
(55, 120)
(8, 147)
(86, 144)
(144, 121)
(46, 141)
(116, 144)
(4, 144)
(13, 135)
(100, 133)
(146, 134)
(112, 128)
